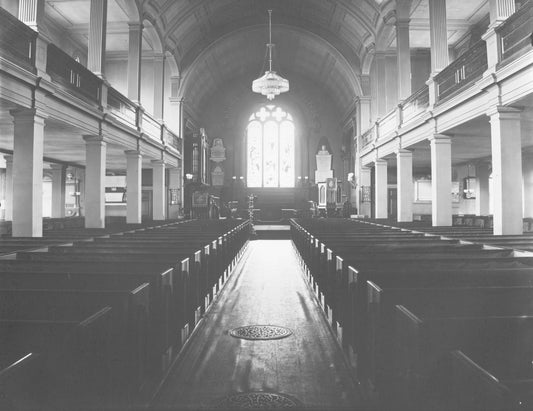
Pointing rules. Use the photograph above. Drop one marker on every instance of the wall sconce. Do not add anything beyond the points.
(241, 178)
(299, 177)
(188, 176)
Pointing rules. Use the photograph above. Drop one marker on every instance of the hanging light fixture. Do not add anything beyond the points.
(270, 84)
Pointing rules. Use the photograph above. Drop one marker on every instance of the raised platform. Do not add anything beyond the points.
(272, 231)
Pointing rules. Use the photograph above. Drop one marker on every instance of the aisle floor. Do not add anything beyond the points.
(266, 288)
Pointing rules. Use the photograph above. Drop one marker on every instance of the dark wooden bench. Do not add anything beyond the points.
(130, 341)
(474, 300)
(423, 343)
(55, 362)
(490, 383)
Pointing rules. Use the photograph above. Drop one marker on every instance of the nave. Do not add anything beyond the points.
(266, 288)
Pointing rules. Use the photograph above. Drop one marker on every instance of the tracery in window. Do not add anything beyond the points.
(270, 148)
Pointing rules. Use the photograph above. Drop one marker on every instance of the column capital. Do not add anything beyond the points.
(402, 152)
(403, 23)
(505, 112)
(132, 153)
(58, 166)
(93, 139)
(440, 139)
(135, 25)
(159, 57)
(381, 161)
(27, 114)
(8, 158)
(156, 163)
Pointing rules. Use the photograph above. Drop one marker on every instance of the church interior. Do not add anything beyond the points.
(243, 204)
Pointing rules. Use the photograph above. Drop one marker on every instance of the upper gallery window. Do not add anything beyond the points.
(270, 148)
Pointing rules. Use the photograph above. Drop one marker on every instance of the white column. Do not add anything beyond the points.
(134, 61)
(506, 170)
(159, 85)
(527, 171)
(133, 186)
(9, 188)
(482, 194)
(404, 170)
(365, 182)
(403, 51)
(380, 191)
(158, 189)
(97, 37)
(59, 177)
(438, 35)
(28, 148)
(441, 180)
(31, 12)
(95, 158)
(174, 183)
(381, 84)
(499, 11)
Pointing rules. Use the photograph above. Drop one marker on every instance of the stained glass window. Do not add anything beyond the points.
(270, 148)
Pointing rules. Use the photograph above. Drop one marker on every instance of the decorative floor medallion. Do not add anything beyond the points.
(260, 332)
(258, 400)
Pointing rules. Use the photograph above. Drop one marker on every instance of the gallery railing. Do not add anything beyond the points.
(516, 34)
(74, 76)
(17, 41)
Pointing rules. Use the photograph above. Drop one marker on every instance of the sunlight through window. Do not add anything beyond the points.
(270, 148)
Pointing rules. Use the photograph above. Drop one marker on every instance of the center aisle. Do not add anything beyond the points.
(266, 288)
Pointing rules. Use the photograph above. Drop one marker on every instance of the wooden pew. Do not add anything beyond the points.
(507, 386)
(130, 339)
(66, 361)
(423, 343)
(474, 300)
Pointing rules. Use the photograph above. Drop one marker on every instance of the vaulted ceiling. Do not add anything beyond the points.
(216, 41)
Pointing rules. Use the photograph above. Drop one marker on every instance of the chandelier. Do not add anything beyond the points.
(270, 84)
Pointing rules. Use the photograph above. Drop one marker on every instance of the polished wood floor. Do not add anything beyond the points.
(266, 288)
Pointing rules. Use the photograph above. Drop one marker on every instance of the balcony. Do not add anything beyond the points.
(18, 45)
(17, 41)
(515, 34)
(462, 72)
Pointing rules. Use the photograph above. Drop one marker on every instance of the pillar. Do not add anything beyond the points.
(97, 37)
(364, 114)
(404, 170)
(441, 180)
(158, 189)
(527, 171)
(506, 170)
(134, 61)
(499, 11)
(381, 193)
(28, 148)
(95, 158)
(380, 85)
(438, 35)
(133, 186)
(365, 182)
(59, 177)
(403, 52)
(9, 188)
(174, 183)
(482, 194)
(391, 83)
(159, 85)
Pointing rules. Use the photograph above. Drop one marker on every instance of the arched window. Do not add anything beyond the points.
(270, 148)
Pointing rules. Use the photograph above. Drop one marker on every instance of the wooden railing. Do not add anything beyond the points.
(388, 124)
(368, 137)
(516, 33)
(462, 71)
(65, 70)
(171, 139)
(17, 41)
(121, 107)
(415, 103)
(150, 126)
